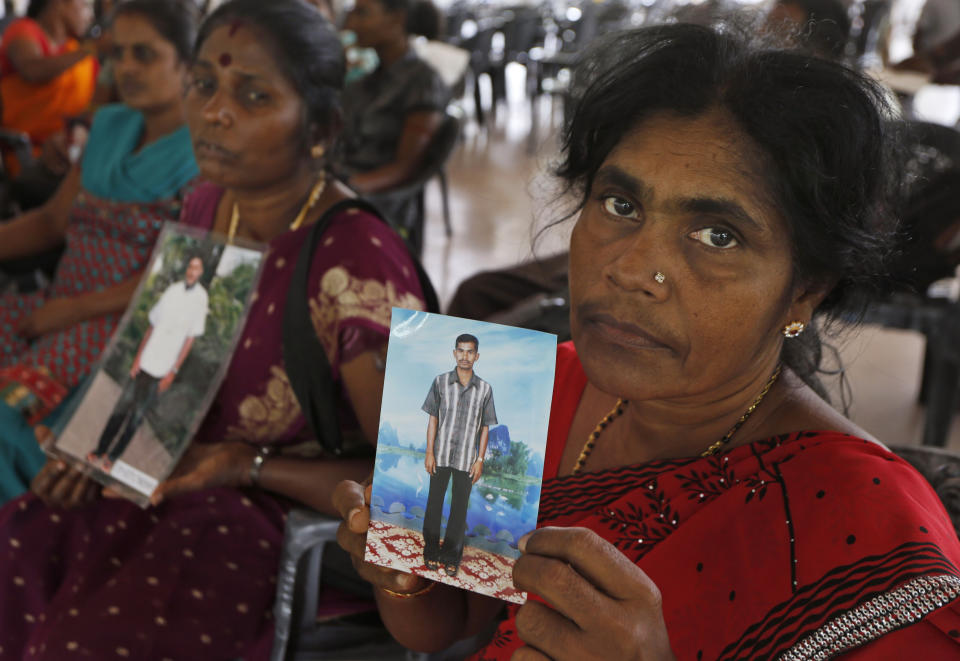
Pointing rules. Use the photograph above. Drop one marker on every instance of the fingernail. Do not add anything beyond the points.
(61, 466)
(355, 510)
(522, 542)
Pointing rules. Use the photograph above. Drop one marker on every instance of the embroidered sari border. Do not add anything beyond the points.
(896, 609)
(840, 591)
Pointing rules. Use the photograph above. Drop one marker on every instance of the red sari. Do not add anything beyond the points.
(802, 546)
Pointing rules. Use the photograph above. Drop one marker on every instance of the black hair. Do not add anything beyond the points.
(467, 337)
(818, 126)
(209, 253)
(175, 20)
(397, 5)
(99, 12)
(827, 28)
(36, 7)
(307, 50)
(424, 19)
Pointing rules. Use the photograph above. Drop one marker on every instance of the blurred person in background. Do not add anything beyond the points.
(46, 73)
(820, 27)
(391, 115)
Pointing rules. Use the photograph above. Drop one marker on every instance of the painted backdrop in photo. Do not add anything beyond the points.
(519, 365)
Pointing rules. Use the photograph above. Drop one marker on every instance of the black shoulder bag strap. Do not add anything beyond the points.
(304, 357)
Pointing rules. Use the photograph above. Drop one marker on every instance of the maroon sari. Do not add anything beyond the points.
(803, 546)
(194, 578)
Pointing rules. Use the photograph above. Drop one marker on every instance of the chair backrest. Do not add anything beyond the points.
(442, 145)
(523, 30)
(941, 468)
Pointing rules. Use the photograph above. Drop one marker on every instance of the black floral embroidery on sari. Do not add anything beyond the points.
(641, 528)
(704, 486)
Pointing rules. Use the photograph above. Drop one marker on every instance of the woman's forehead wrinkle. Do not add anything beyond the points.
(720, 149)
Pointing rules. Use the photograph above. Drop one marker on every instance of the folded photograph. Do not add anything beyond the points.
(460, 451)
(158, 375)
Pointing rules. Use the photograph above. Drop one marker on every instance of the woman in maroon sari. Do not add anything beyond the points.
(700, 500)
(191, 577)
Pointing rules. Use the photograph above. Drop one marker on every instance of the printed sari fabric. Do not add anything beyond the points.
(194, 578)
(811, 545)
(39, 109)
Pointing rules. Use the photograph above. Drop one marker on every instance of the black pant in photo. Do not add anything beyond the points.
(456, 523)
(137, 397)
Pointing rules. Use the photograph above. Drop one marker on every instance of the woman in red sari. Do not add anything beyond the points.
(700, 499)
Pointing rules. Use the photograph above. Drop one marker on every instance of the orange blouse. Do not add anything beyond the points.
(39, 109)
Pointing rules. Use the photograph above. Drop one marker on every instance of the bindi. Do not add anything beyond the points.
(225, 59)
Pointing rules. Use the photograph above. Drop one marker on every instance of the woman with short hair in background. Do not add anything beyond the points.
(46, 73)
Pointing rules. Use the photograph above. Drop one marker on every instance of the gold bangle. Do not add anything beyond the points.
(409, 595)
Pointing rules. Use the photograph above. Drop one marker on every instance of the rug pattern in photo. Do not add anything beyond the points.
(480, 571)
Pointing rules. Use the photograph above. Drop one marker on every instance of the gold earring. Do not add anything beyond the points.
(316, 151)
(659, 277)
(793, 329)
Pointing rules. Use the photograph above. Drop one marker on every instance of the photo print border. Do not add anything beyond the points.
(517, 365)
(68, 437)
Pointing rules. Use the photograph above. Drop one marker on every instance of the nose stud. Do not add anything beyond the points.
(659, 277)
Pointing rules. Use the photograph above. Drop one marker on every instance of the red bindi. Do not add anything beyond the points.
(225, 59)
(234, 26)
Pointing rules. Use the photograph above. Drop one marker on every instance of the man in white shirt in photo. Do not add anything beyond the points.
(176, 320)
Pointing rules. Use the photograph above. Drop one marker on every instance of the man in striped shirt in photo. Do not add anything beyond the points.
(460, 406)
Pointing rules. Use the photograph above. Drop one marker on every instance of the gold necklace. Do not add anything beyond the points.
(595, 434)
(713, 449)
(315, 194)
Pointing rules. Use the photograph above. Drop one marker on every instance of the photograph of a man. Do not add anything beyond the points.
(176, 320)
(461, 410)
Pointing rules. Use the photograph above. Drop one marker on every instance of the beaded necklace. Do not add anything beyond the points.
(617, 411)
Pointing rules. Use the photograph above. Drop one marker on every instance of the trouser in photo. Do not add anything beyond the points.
(457, 521)
(137, 397)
